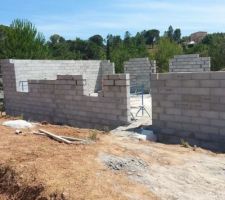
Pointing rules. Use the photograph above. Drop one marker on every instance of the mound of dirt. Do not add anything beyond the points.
(13, 187)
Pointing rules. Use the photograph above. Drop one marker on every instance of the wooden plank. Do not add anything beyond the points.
(62, 136)
(38, 133)
(72, 138)
(56, 137)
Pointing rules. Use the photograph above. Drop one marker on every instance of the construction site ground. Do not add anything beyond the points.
(34, 167)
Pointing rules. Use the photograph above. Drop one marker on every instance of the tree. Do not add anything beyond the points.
(95, 51)
(55, 39)
(127, 38)
(60, 48)
(213, 45)
(121, 50)
(97, 39)
(3, 42)
(216, 49)
(169, 33)
(177, 35)
(112, 42)
(25, 42)
(166, 49)
(151, 36)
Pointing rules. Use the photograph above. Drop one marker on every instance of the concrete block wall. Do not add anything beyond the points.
(190, 106)
(64, 101)
(189, 63)
(92, 71)
(140, 70)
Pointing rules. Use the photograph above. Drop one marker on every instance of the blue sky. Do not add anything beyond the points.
(84, 18)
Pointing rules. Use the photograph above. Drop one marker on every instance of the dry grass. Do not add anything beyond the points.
(39, 166)
(64, 171)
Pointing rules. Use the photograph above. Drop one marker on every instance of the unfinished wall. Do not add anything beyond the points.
(92, 71)
(189, 63)
(63, 100)
(190, 106)
(140, 70)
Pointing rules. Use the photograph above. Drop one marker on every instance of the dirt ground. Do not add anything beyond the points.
(36, 167)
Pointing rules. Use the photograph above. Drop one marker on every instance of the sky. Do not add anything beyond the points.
(84, 18)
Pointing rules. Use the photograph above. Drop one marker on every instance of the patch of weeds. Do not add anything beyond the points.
(184, 143)
(195, 148)
(20, 117)
(93, 136)
(106, 129)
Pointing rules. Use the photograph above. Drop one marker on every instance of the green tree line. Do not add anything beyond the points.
(21, 40)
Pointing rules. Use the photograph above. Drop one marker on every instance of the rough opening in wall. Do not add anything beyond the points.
(23, 86)
(140, 70)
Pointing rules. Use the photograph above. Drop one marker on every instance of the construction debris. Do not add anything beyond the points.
(44, 123)
(55, 137)
(18, 132)
(128, 164)
(18, 124)
(149, 135)
(65, 139)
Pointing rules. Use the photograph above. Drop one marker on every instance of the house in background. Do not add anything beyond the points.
(196, 37)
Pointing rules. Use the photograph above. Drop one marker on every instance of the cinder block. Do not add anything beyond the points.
(218, 91)
(158, 110)
(217, 75)
(217, 123)
(209, 129)
(166, 104)
(190, 127)
(222, 115)
(200, 120)
(166, 117)
(118, 77)
(122, 82)
(69, 77)
(173, 111)
(191, 113)
(190, 83)
(200, 91)
(209, 99)
(222, 83)
(209, 114)
(186, 56)
(170, 83)
(174, 125)
(183, 119)
(169, 131)
(209, 83)
(108, 82)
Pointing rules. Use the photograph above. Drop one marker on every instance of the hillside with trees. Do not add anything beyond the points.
(22, 40)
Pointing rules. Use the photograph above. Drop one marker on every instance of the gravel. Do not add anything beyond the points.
(128, 164)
